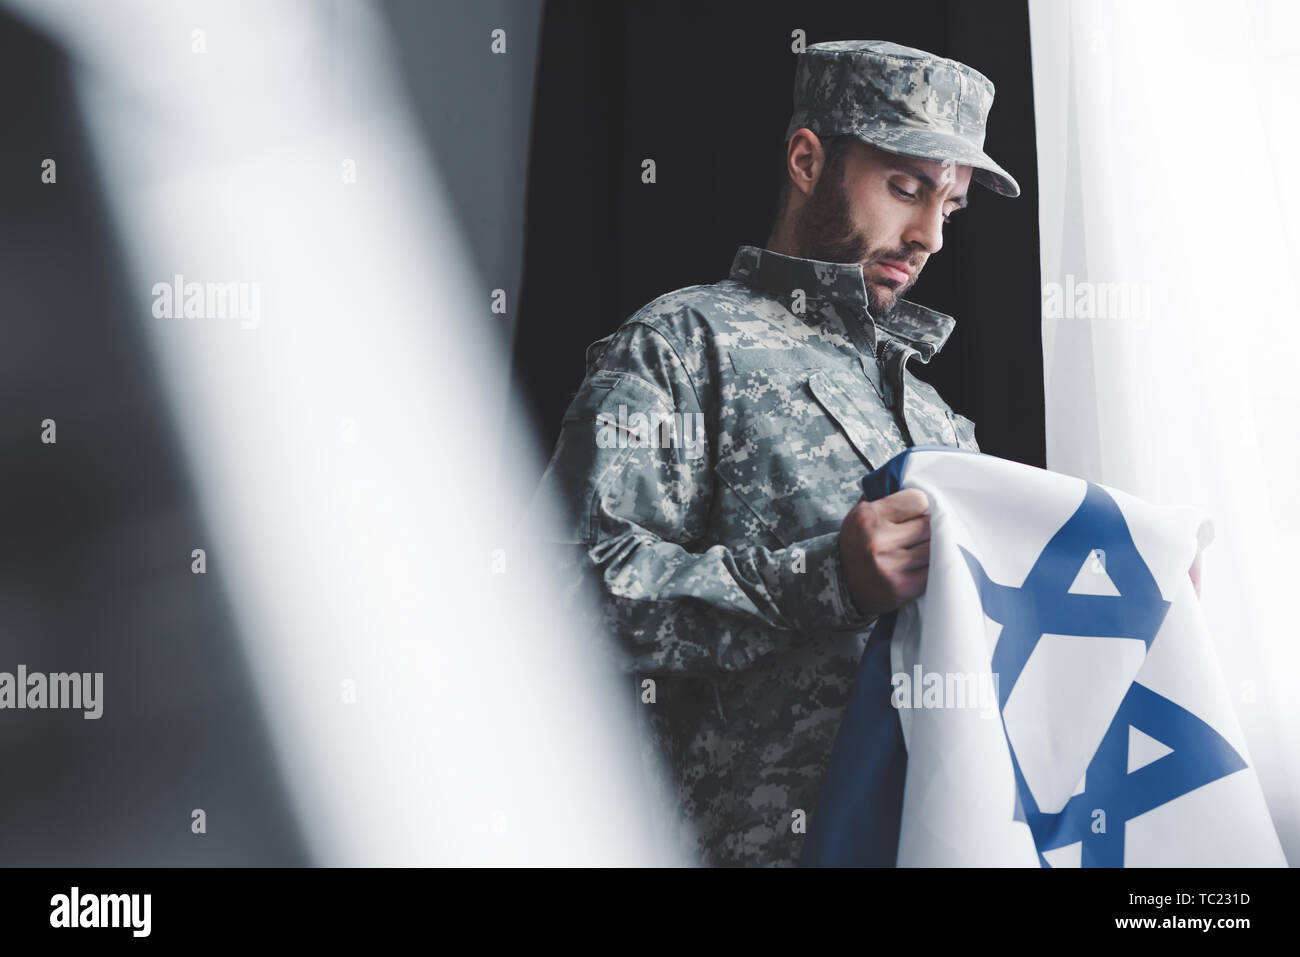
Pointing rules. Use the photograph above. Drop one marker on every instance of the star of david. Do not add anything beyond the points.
(1044, 605)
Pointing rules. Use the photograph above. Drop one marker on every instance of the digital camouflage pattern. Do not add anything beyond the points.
(716, 566)
(901, 100)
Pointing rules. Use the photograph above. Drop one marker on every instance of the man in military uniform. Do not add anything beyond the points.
(708, 467)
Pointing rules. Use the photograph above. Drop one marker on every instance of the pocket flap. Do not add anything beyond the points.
(868, 430)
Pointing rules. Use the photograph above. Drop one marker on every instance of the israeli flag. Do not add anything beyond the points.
(1051, 700)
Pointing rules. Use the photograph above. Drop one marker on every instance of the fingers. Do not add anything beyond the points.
(917, 557)
(902, 586)
(890, 539)
(885, 548)
(904, 505)
(913, 585)
(905, 510)
(914, 531)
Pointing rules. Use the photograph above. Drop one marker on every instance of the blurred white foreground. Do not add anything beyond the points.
(344, 445)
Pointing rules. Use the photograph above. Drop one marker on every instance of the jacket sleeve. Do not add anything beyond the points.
(631, 476)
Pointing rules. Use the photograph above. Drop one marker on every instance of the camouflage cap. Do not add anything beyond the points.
(898, 99)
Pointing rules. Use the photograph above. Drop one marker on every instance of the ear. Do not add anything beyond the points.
(804, 160)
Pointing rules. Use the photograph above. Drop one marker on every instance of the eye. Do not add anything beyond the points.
(902, 192)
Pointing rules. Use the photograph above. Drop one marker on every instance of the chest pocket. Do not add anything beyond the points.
(861, 414)
(795, 468)
(931, 422)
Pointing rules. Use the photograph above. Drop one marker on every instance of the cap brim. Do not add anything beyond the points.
(940, 147)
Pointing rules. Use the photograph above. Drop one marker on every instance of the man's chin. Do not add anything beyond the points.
(883, 297)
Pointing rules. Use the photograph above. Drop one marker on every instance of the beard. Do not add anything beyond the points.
(825, 231)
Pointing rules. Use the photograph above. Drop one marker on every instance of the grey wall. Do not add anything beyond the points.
(475, 109)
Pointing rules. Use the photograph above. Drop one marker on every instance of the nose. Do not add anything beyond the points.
(925, 228)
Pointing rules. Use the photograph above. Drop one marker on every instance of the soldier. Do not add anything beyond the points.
(708, 467)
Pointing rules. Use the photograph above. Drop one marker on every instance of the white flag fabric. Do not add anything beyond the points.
(1056, 688)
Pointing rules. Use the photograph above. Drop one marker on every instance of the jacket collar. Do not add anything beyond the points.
(924, 329)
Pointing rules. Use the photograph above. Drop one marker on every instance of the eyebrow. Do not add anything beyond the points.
(924, 177)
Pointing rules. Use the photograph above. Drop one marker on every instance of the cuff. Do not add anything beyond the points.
(815, 592)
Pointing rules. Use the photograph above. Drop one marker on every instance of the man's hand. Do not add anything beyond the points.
(885, 551)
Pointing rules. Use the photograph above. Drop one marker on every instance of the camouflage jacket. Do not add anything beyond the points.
(703, 469)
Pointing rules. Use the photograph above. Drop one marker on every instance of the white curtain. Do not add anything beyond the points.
(1167, 149)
